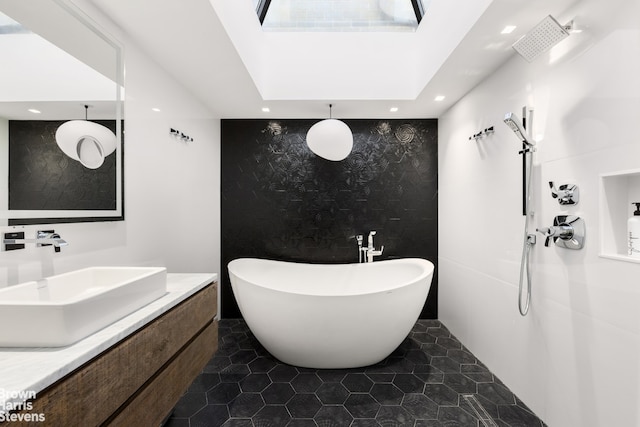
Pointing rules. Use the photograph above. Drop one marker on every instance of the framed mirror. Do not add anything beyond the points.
(61, 116)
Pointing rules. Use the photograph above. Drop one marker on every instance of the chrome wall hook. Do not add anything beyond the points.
(482, 134)
(179, 135)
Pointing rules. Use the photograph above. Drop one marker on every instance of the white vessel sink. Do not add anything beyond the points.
(60, 310)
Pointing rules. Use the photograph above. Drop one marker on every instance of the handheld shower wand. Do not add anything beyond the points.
(513, 122)
(529, 240)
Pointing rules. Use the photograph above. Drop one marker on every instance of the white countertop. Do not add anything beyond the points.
(27, 371)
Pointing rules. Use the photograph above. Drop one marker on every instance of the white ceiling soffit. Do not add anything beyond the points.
(188, 40)
(27, 74)
(347, 66)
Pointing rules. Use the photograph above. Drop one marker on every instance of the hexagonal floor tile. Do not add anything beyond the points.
(365, 422)
(357, 383)
(496, 393)
(396, 416)
(223, 393)
(302, 422)
(210, 415)
(189, 404)
(420, 406)
(387, 394)
(331, 375)
(362, 405)
(245, 405)
(304, 405)
(306, 382)
(333, 416)
(262, 365)
(282, 373)
(457, 416)
(243, 356)
(332, 393)
(409, 383)
(272, 415)
(204, 382)
(441, 394)
(278, 393)
(234, 373)
(420, 385)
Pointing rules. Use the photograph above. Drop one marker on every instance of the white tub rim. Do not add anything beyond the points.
(428, 270)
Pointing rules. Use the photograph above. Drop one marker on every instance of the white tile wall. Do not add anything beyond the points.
(575, 359)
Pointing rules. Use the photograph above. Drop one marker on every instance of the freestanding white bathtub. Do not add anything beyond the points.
(330, 316)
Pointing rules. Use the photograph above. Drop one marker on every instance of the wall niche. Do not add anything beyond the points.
(618, 191)
(280, 201)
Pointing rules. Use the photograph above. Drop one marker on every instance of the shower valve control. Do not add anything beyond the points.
(567, 232)
(567, 194)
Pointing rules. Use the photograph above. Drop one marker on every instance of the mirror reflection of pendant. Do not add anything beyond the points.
(87, 142)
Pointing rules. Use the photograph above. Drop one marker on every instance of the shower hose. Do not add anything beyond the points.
(527, 243)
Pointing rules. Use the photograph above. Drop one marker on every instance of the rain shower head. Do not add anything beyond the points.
(514, 123)
(540, 39)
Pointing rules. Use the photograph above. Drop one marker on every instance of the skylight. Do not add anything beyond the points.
(9, 26)
(347, 66)
(340, 15)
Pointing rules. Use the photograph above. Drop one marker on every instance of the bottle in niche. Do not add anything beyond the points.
(633, 230)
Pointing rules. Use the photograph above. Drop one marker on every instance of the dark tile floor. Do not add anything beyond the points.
(430, 380)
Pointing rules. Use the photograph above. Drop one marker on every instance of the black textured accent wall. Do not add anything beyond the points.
(280, 201)
(42, 177)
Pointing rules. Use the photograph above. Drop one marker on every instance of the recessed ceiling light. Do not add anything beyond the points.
(508, 29)
(33, 110)
(157, 110)
(265, 109)
(439, 98)
(393, 109)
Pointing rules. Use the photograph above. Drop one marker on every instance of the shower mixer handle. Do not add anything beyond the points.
(567, 231)
(567, 194)
(562, 231)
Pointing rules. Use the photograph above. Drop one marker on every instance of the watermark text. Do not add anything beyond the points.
(17, 406)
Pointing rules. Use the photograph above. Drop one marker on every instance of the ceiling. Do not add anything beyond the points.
(48, 71)
(209, 46)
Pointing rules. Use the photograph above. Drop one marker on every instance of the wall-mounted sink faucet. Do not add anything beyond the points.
(43, 238)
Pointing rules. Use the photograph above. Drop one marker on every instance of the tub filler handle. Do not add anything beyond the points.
(371, 254)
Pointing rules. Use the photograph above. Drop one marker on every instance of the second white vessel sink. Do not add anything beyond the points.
(62, 309)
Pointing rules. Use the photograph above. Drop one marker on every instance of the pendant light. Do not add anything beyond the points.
(87, 142)
(330, 139)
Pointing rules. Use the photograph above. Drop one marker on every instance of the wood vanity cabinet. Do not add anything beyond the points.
(138, 381)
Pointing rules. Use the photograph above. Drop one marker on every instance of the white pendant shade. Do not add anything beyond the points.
(331, 139)
(85, 141)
